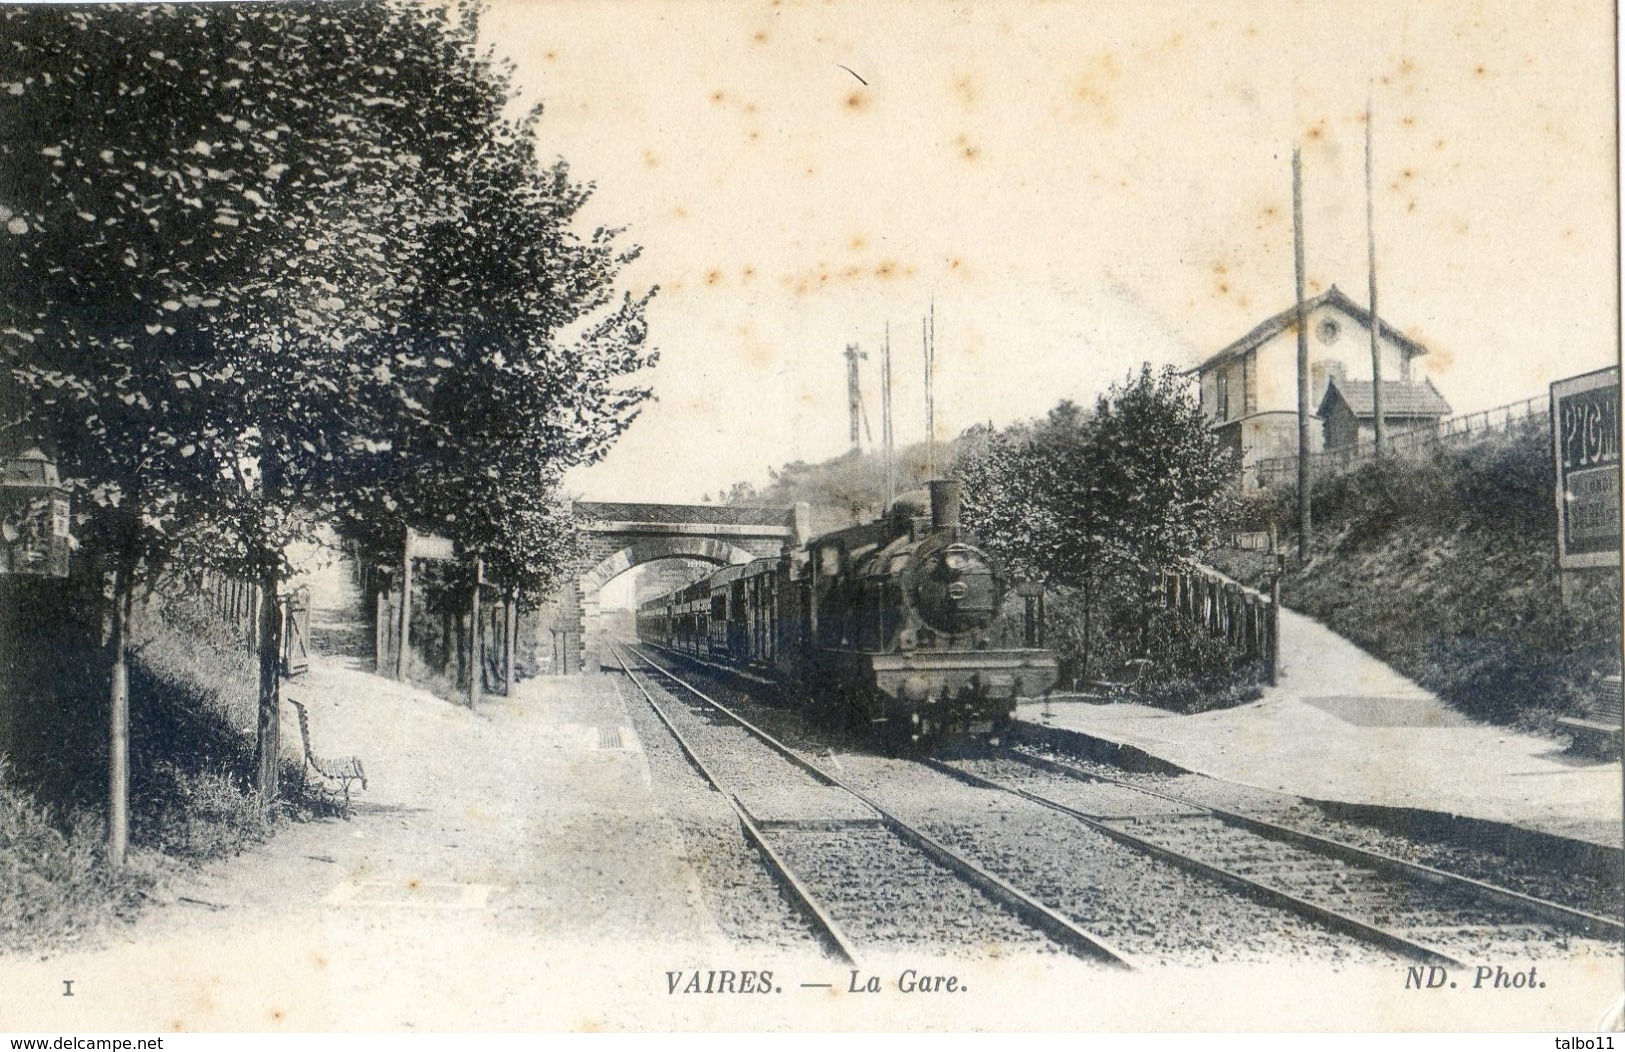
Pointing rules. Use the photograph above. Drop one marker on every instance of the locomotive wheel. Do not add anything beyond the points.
(911, 735)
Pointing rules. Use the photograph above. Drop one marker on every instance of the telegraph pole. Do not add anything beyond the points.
(928, 337)
(854, 394)
(885, 416)
(1304, 439)
(1371, 267)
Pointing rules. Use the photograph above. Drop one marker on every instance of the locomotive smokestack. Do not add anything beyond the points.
(944, 504)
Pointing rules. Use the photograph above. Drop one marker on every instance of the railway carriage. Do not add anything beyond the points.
(891, 625)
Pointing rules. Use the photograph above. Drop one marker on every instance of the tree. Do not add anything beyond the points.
(1078, 499)
(251, 279)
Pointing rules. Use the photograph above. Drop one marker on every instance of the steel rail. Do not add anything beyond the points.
(1255, 889)
(1586, 923)
(1034, 913)
(825, 927)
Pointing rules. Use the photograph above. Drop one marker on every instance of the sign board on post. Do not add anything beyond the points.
(428, 546)
(1585, 450)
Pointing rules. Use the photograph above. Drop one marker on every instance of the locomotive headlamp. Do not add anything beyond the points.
(956, 560)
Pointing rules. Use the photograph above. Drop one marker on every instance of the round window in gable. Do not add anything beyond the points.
(1328, 330)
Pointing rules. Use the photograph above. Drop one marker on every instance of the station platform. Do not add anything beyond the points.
(498, 872)
(1343, 727)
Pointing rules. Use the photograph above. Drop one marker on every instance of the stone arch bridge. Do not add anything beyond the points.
(623, 536)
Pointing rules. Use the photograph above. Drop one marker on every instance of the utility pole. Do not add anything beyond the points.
(928, 336)
(1371, 267)
(854, 394)
(885, 416)
(1304, 441)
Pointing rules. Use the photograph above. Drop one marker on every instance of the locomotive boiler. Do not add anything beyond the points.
(891, 626)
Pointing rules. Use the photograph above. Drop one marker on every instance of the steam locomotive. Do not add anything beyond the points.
(891, 626)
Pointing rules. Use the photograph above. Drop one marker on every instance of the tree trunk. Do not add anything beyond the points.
(459, 639)
(118, 750)
(403, 648)
(268, 732)
(268, 739)
(380, 628)
(1088, 611)
(476, 660)
(510, 631)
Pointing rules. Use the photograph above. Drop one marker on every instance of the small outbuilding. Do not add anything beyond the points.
(1348, 411)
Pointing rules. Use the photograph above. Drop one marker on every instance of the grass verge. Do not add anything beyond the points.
(193, 698)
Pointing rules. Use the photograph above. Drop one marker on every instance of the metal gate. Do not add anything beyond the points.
(296, 633)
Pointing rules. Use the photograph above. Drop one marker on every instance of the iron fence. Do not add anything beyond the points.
(1273, 471)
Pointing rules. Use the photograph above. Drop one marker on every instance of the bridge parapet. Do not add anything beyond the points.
(623, 535)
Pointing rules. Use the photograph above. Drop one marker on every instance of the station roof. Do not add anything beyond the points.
(1399, 398)
(1279, 323)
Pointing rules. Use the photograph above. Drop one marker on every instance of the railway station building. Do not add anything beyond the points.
(1249, 389)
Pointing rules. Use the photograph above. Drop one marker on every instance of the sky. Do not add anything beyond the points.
(1077, 187)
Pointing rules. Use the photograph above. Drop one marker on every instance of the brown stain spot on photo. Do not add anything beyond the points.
(318, 960)
(680, 212)
(651, 159)
(1439, 359)
(759, 37)
(747, 274)
(758, 355)
(413, 883)
(551, 56)
(1094, 87)
(719, 96)
(886, 269)
(712, 277)
(277, 1014)
(753, 136)
(858, 101)
(1316, 132)
(1479, 71)
(966, 89)
(858, 243)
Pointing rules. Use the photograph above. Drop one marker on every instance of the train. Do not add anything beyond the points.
(891, 627)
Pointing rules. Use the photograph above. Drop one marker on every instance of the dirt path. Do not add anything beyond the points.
(492, 854)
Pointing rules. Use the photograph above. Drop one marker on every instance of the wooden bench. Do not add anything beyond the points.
(1599, 728)
(1129, 686)
(340, 769)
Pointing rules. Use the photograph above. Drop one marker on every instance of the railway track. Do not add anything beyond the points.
(825, 841)
(1414, 910)
(1395, 906)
